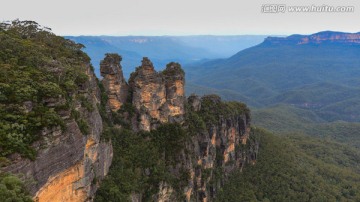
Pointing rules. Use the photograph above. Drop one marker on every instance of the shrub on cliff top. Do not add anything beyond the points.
(213, 109)
(173, 68)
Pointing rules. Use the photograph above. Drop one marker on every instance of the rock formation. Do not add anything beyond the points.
(220, 139)
(114, 81)
(158, 96)
(175, 96)
(222, 147)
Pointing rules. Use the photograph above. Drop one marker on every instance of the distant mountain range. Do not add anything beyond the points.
(164, 49)
(319, 72)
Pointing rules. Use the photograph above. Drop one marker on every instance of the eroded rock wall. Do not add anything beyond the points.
(223, 147)
(69, 163)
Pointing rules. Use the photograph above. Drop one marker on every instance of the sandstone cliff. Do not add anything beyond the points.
(51, 95)
(114, 81)
(69, 163)
(158, 96)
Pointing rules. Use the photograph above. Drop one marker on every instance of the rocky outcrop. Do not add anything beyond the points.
(158, 96)
(174, 78)
(222, 147)
(220, 140)
(113, 81)
(69, 163)
(215, 150)
(317, 38)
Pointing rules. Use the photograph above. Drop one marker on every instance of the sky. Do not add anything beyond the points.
(180, 17)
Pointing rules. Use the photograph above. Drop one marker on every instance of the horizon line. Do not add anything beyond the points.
(205, 35)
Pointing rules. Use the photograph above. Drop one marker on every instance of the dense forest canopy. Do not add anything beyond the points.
(297, 168)
(36, 67)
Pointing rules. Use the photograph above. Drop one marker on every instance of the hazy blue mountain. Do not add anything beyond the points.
(222, 46)
(164, 49)
(319, 72)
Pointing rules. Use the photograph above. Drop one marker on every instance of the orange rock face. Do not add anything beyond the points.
(158, 96)
(72, 183)
(61, 187)
(175, 96)
(114, 81)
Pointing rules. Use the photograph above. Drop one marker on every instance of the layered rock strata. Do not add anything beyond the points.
(69, 164)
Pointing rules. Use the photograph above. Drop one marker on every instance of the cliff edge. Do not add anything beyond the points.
(50, 127)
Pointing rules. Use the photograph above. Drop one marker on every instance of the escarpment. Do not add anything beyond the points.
(52, 96)
(196, 142)
(69, 162)
(326, 37)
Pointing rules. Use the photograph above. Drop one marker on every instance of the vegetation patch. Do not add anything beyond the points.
(288, 171)
(12, 189)
(39, 72)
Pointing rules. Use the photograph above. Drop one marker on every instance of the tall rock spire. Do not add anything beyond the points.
(114, 81)
(174, 78)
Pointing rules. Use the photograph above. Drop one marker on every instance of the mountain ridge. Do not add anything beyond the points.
(316, 38)
(271, 74)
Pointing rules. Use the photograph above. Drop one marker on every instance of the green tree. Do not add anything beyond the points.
(12, 189)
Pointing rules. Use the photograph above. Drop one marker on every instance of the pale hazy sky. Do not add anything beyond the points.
(178, 17)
